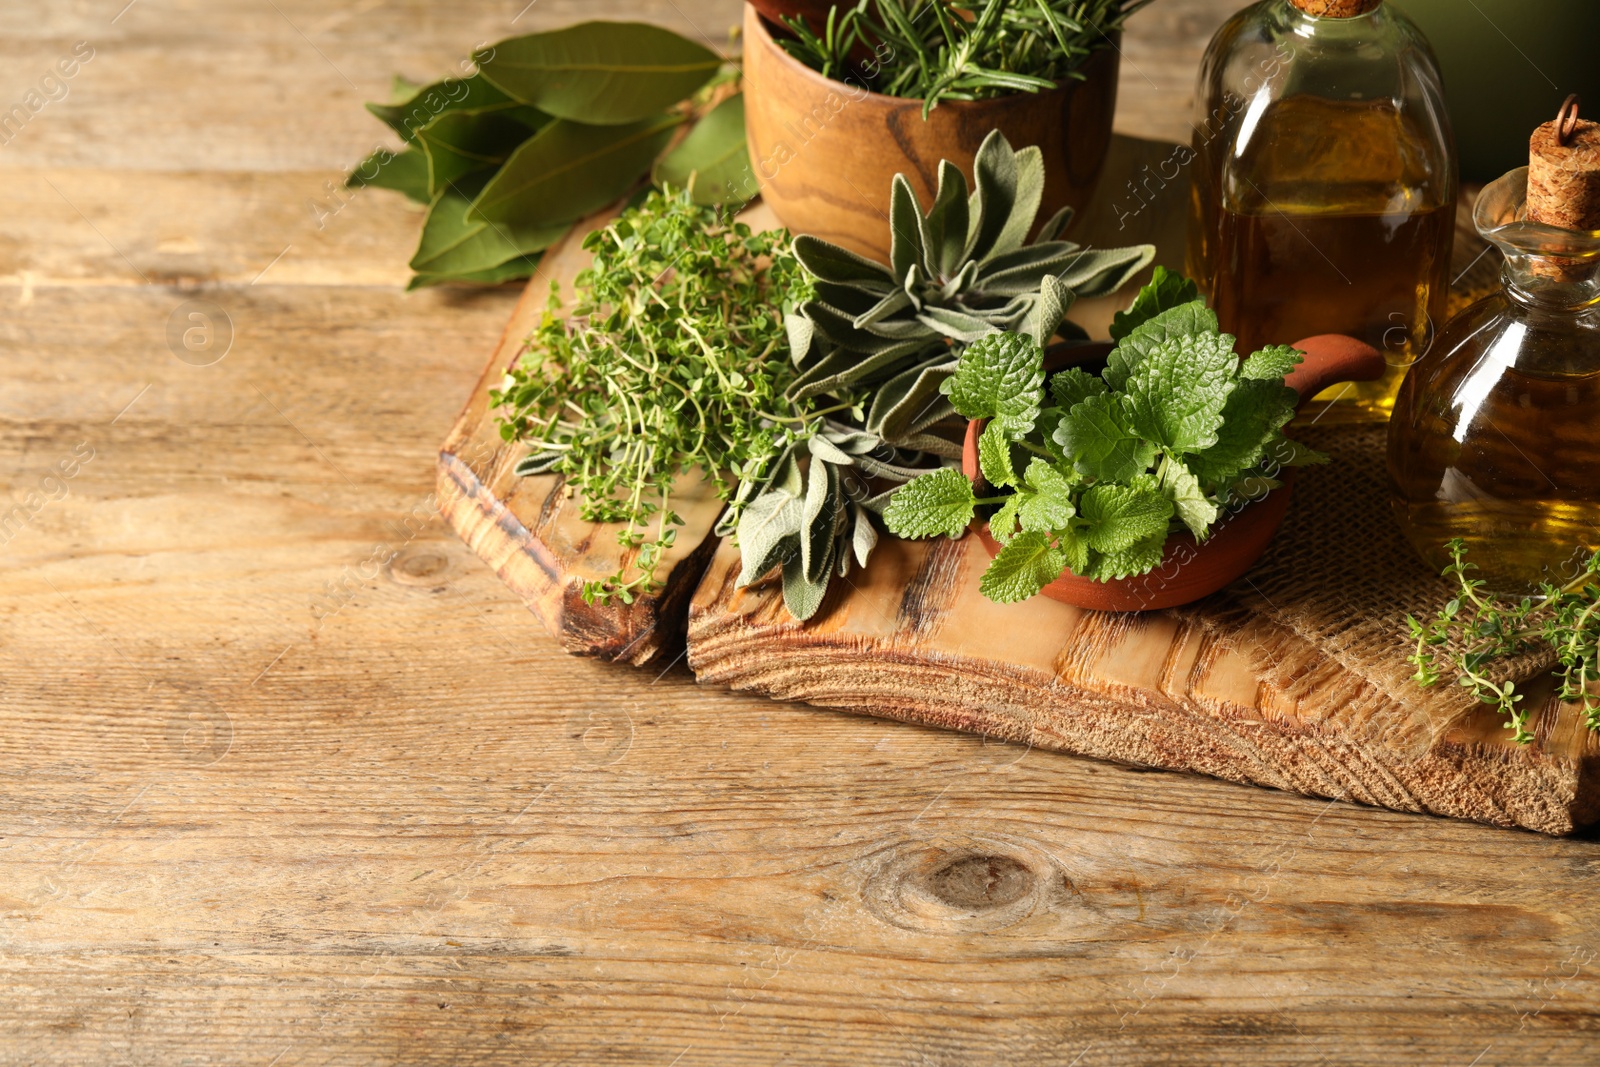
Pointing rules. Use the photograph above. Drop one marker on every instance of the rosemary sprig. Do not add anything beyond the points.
(936, 50)
(1566, 618)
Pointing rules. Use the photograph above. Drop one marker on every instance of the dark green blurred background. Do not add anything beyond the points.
(1507, 66)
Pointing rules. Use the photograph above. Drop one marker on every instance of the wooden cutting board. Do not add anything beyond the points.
(1242, 686)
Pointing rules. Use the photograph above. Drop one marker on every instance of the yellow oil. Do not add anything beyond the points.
(1328, 220)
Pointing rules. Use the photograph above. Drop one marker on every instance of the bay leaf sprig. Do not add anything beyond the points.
(672, 358)
(549, 128)
(1475, 628)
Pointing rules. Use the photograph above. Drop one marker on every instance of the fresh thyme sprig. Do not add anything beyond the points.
(1566, 618)
(674, 357)
(936, 50)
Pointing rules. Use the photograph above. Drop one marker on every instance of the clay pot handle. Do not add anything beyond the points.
(1332, 358)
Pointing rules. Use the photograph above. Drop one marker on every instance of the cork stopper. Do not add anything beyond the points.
(1564, 171)
(1336, 9)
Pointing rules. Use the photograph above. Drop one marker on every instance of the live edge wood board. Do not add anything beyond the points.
(1225, 688)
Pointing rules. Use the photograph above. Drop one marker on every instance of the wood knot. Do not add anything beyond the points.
(978, 882)
(427, 566)
(962, 885)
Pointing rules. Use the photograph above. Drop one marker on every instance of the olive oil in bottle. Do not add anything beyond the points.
(1324, 190)
(1496, 432)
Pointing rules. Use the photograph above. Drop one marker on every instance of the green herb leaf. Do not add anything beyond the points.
(1073, 385)
(1177, 391)
(511, 270)
(1049, 507)
(1185, 320)
(937, 503)
(451, 244)
(568, 170)
(424, 104)
(713, 161)
(1141, 557)
(1023, 567)
(457, 144)
(1188, 499)
(998, 377)
(601, 73)
(1251, 418)
(994, 456)
(768, 534)
(404, 172)
(1003, 523)
(1272, 363)
(1097, 437)
(1166, 289)
(1120, 516)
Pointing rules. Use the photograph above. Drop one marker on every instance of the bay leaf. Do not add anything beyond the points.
(713, 161)
(604, 73)
(470, 95)
(454, 244)
(405, 172)
(569, 169)
(510, 270)
(458, 143)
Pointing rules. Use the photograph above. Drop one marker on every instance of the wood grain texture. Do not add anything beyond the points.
(267, 799)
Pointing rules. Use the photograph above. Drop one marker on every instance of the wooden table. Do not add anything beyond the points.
(269, 800)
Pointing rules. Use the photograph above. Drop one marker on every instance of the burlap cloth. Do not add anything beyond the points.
(1341, 577)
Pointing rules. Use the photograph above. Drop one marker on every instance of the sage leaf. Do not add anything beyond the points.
(863, 536)
(713, 161)
(768, 534)
(568, 169)
(905, 229)
(818, 518)
(831, 263)
(603, 73)
(802, 595)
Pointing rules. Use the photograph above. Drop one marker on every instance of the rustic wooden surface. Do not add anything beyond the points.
(266, 799)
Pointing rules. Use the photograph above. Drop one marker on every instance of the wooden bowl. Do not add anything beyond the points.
(825, 152)
(1191, 570)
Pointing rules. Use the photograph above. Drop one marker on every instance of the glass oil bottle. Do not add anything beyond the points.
(1324, 187)
(1495, 437)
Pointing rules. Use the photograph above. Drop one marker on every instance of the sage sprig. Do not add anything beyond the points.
(876, 343)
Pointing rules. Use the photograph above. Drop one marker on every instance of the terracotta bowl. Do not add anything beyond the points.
(825, 152)
(1191, 570)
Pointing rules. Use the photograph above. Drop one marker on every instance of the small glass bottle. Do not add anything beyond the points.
(1324, 187)
(1495, 437)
